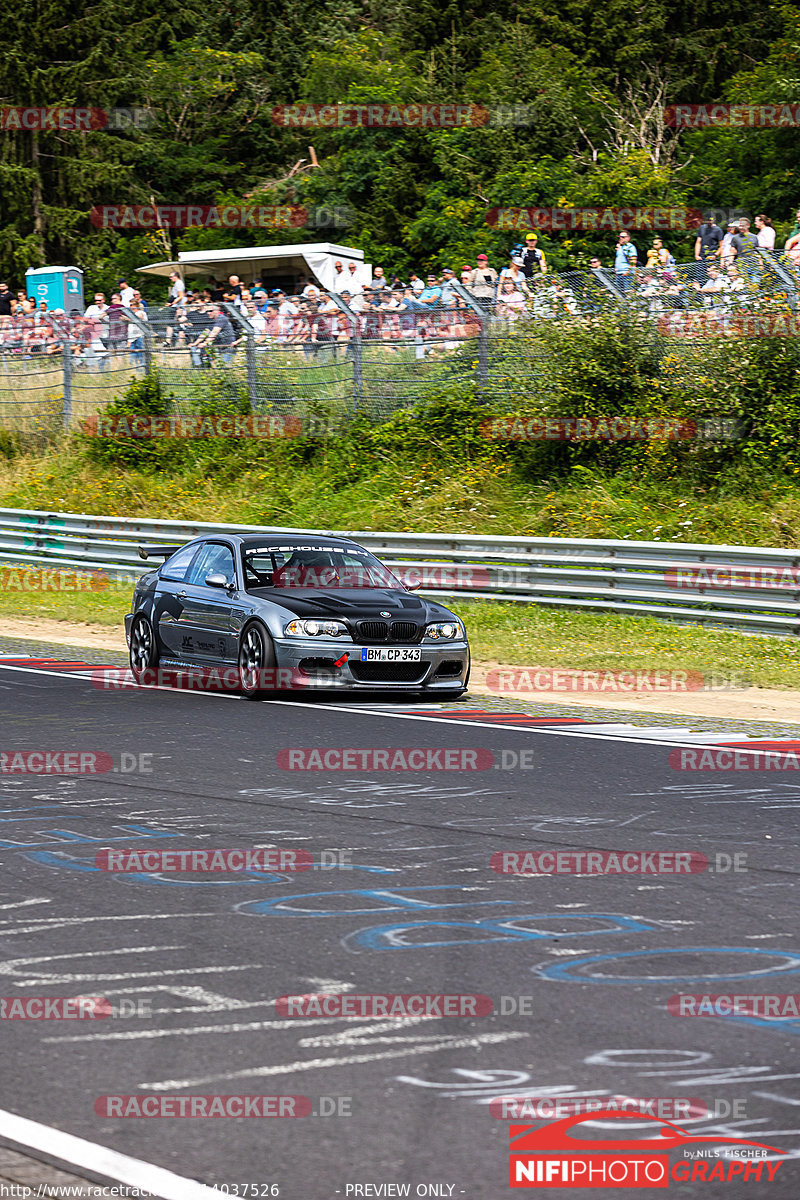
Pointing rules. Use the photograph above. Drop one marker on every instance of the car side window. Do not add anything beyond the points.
(214, 558)
(175, 568)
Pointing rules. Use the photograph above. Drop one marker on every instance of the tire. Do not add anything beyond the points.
(144, 655)
(256, 657)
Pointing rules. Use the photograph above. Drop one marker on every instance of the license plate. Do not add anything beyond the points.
(391, 654)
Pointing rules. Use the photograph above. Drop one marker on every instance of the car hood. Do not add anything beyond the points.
(354, 604)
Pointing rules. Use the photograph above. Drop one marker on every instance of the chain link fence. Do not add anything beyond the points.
(349, 355)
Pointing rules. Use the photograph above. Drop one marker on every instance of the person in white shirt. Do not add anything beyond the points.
(415, 283)
(353, 284)
(97, 316)
(256, 320)
(286, 314)
(98, 310)
(125, 293)
(340, 279)
(177, 291)
(766, 232)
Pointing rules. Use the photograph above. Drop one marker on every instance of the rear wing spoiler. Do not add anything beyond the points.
(158, 551)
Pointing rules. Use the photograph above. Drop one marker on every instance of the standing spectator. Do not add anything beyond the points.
(137, 297)
(416, 283)
(5, 300)
(354, 284)
(766, 232)
(117, 328)
(126, 292)
(625, 259)
(96, 326)
(135, 336)
(533, 259)
(379, 280)
(744, 242)
(286, 313)
(340, 279)
(177, 290)
(256, 320)
(726, 251)
(707, 246)
(448, 292)
(595, 264)
(98, 310)
(483, 281)
(515, 272)
(745, 247)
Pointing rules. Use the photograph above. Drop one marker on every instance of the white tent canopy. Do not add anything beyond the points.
(275, 266)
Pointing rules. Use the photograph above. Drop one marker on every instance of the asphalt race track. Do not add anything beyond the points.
(402, 899)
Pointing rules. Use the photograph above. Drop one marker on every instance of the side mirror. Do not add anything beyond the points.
(217, 580)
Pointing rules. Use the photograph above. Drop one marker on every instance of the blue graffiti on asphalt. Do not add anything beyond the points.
(571, 971)
(391, 937)
(390, 900)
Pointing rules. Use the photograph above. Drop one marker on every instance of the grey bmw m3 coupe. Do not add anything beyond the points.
(279, 611)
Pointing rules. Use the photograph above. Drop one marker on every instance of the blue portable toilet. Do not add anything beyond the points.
(61, 287)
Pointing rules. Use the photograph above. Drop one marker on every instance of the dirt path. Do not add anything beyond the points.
(761, 704)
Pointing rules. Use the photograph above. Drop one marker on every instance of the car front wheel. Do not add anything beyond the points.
(256, 662)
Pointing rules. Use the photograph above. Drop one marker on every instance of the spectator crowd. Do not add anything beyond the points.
(437, 311)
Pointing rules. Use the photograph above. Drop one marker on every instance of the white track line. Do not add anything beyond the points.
(399, 716)
(102, 1161)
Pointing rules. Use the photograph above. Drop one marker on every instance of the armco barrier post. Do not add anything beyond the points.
(355, 349)
(786, 277)
(66, 358)
(483, 332)
(238, 318)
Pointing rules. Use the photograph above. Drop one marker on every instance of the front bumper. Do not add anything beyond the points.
(442, 667)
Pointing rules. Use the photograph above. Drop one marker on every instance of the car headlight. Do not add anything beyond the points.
(315, 629)
(444, 631)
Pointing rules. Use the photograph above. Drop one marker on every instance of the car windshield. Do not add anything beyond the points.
(314, 567)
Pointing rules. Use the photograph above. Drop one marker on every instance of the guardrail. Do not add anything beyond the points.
(748, 588)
